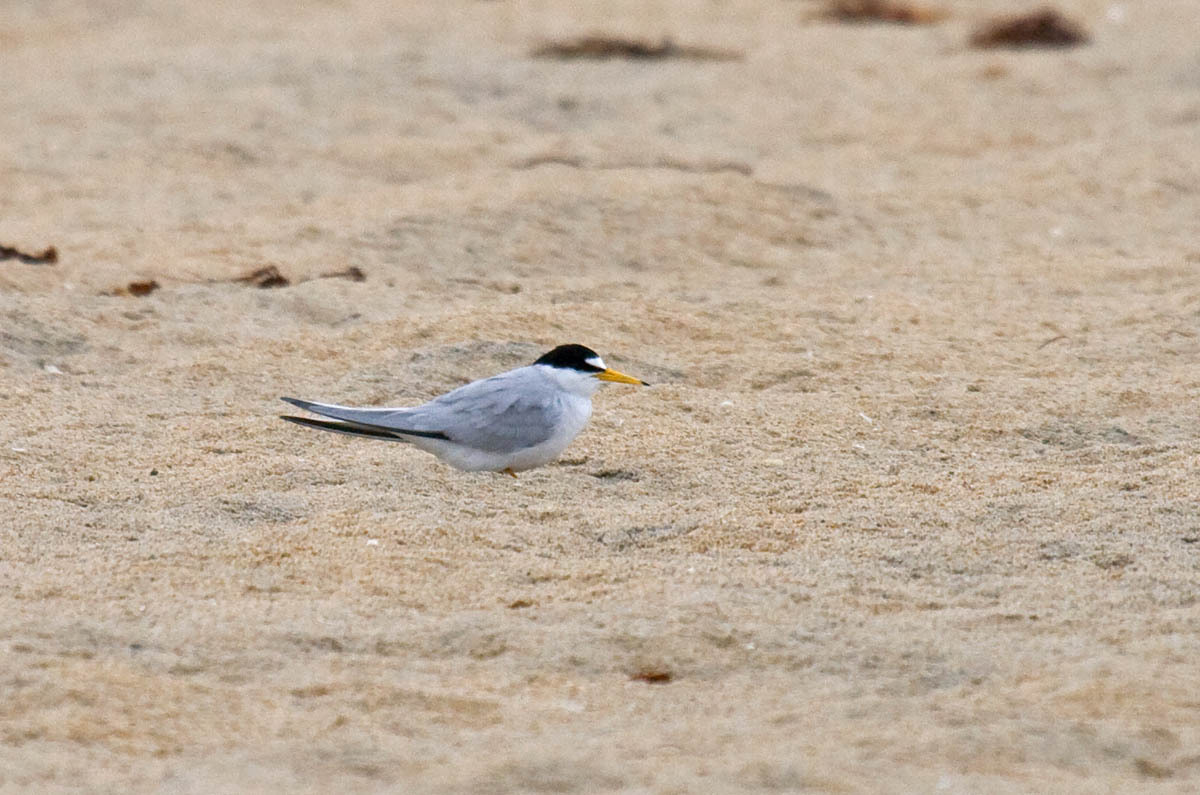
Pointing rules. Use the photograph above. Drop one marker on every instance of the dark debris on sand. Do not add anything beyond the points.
(597, 47)
(48, 257)
(1043, 28)
(652, 676)
(269, 276)
(895, 11)
(352, 273)
(264, 278)
(137, 289)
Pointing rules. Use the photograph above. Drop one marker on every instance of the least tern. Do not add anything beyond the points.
(511, 422)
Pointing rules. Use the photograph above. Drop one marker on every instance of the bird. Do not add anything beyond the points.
(511, 422)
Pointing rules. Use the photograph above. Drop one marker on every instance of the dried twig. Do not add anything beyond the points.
(598, 47)
(269, 276)
(264, 278)
(47, 257)
(352, 273)
(666, 163)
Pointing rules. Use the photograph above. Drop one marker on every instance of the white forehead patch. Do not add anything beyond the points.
(596, 361)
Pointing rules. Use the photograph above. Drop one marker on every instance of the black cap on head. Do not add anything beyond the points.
(573, 357)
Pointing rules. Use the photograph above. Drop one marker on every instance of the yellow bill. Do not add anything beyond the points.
(619, 378)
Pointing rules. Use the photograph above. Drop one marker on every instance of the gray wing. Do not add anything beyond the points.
(373, 422)
(507, 412)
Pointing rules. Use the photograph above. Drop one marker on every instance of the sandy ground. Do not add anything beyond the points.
(912, 505)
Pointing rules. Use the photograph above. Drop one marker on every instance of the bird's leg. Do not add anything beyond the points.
(508, 471)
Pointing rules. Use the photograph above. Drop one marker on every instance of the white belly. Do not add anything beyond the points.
(575, 415)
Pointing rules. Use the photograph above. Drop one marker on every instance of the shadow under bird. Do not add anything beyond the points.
(511, 422)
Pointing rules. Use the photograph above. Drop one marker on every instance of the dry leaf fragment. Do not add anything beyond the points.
(897, 11)
(138, 288)
(1043, 28)
(652, 676)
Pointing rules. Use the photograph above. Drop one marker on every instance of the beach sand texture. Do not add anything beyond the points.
(913, 504)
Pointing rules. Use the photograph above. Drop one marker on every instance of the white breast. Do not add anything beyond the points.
(576, 409)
